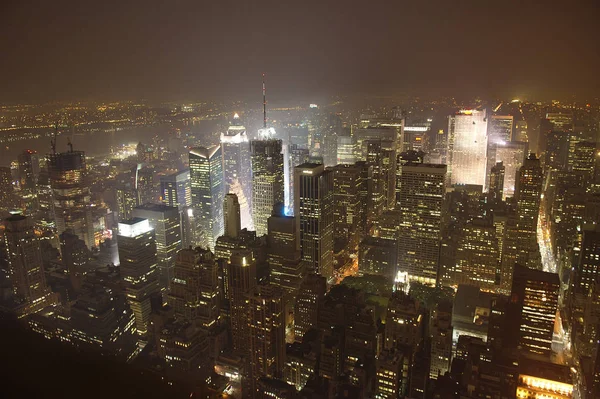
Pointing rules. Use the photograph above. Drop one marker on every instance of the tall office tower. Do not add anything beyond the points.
(297, 156)
(236, 166)
(391, 370)
(496, 187)
(478, 256)
(166, 222)
(126, 199)
(583, 281)
(284, 255)
(313, 206)
(378, 256)
(363, 135)
(528, 190)
(349, 211)
(512, 155)
(403, 322)
(175, 189)
(467, 147)
(441, 341)
(29, 172)
(520, 132)
(346, 149)
(195, 290)
(554, 122)
(266, 320)
(306, 310)
(377, 202)
(71, 194)
(206, 179)
(231, 214)
(267, 180)
(556, 150)
(534, 296)
(75, 256)
(500, 131)
(25, 267)
(241, 281)
(584, 161)
(420, 199)
(6, 189)
(144, 185)
(137, 256)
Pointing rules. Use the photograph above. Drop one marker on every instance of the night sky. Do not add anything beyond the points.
(195, 50)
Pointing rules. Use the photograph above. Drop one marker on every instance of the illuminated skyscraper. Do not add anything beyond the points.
(29, 173)
(534, 296)
(195, 294)
(496, 187)
(206, 177)
(528, 192)
(267, 181)
(478, 256)
(512, 155)
(236, 166)
(166, 222)
(346, 149)
(520, 132)
(467, 147)
(241, 279)
(30, 293)
(500, 131)
(350, 209)
(137, 255)
(71, 194)
(420, 199)
(313, 206)
(284, 254)
(6, 189)
(231, 214)
(266, 320)
(175, 189)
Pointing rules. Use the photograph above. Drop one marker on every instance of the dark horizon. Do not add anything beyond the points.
(68, 50)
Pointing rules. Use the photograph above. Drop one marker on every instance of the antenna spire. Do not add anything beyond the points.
(264, 103)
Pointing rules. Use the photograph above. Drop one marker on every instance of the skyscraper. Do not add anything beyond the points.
(195, 293)
(420, 199)
(138, 260)
(75, 256)
(313, 206)
(496, 187)
(231, 213)
(30, 293)
(166, 222)
(29, 173)
(236, 166)
(266, 319)
(175, 189)
(528, 190)
(71, 194)
(206, 177)
(534, 296)
(312, 291)
(500, 131)
(267, 180)
(467, 147)
(441, 341)
(512, 155)
(241, 281)
(6, 189)
(284, 255)
(350, 211)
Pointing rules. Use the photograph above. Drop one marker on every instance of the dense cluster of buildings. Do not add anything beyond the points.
(334, 258)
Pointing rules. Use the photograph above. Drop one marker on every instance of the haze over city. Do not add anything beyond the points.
(300, 200)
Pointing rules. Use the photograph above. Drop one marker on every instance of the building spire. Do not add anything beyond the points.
(264, 103)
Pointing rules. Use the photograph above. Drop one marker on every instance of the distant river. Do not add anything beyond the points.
(99, 142)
